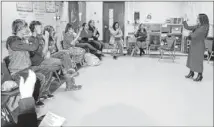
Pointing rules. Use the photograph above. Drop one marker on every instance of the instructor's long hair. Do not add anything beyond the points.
(204, 21)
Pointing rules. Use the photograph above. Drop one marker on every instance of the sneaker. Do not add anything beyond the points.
(115, 57)
(50, 96)
(40, 104)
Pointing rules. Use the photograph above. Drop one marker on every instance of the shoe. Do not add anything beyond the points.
(114, 57)
(99, 56)
(50, 96)
(141, 51)
(199, 78)
(190, 75)
(74, 88)
(40, 104)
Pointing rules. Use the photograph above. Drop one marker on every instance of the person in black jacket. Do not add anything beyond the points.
(96, 34)
(141, 36)
(27, 115)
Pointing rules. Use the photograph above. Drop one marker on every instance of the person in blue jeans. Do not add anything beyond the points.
(43, 58)
(19, 46)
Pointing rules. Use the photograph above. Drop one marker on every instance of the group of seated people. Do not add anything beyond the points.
(32, 47)
(44, 52)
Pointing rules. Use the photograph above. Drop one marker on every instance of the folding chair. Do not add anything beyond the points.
(209, 57)
(6, 96)
(169, 47)
(210, 49)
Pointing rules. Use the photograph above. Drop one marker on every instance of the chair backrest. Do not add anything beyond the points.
(7, 61)
(171, 41)
(5, 73)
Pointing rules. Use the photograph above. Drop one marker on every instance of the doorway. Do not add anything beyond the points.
(112, 12)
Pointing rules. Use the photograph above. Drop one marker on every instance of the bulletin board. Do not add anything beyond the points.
(50, 7)
(24, 6)
(27, 11)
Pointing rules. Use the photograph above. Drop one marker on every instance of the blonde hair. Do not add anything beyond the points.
(17, 25)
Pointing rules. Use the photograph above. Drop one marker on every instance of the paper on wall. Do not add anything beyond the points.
(111, 17)
(52, 119)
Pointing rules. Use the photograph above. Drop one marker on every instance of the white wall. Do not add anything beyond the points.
(9, 14)
(160, 11)
(192, 9)
(94, 11)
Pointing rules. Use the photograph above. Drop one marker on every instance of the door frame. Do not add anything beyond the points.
(123, 2)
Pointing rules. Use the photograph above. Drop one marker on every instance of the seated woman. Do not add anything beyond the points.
(116, 39)
(95, 32)
(141, 36)
(43, 58)
(71, 39)
(86, 37)
(70, 42)
(18, 47)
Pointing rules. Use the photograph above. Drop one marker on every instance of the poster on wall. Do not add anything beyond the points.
(111, 17)
(39, 7)
(50, 7)
(24, 6)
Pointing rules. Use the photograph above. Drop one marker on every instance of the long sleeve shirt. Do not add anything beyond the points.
(37, 55)
(86, 34)
(141, 36)
(68, 38)
(19, 53)
(97, 34)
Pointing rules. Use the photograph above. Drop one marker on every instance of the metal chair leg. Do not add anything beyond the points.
(161, 55)
(133, 51)
(57, 75)
(211, 54)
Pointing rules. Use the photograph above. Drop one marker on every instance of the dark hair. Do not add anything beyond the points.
(83, 25)
(90, 27)
(114, 25)
(139, 28)
(33, 24)
(68, 26)
(17, 25)
(204, 21)
(49, 29)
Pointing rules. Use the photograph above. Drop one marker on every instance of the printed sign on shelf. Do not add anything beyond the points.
(52, 119)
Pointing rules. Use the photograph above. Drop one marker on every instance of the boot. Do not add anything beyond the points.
(70, 85)
(190, 75)
(99, 56)
(141, 51)
(199, 77)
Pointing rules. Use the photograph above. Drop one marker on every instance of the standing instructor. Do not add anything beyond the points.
(197, 47)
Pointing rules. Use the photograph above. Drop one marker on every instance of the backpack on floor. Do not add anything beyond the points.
(91, 59)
